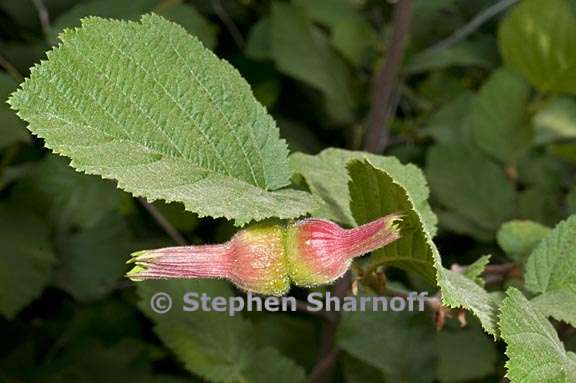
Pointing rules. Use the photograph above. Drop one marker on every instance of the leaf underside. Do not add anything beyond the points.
(375, 192)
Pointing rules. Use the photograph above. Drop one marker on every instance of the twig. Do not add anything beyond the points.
(499, 274)
(384, 89)
(43, 15)
(164, 223)
(504, 268)
(471, 26)
(11, 70)
(229, 23)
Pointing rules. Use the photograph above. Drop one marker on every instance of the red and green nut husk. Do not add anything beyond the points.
(266, 258)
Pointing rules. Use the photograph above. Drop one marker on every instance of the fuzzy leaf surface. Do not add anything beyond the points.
(551, 271)
(146, 104)
(535, 353)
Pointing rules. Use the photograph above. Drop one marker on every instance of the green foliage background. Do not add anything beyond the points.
(490, 120)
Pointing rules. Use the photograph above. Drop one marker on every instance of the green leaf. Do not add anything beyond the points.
(450, 123)
(519, 238)
(535, 353)
(26, 261)
(214, 345)
(90, 236)
(478, 360)
(277, 330)
(67, 199)
(11, 127)
(211, 344)
(357, 371)
(541, 204)
(327, 178)
(353, 37)
(540, 42)
(552, 265)
(91, 262)
(467, 182)
(302, 51)
(375, 193)
(327, 12)
(268, 365)
(459, 291)
(501, 129)
(474, 271)
(458, 224)
(543, 171)
(402, 345)
(163, 116)
(121, 360)
(558, 304)
(551, 271)
(556, 121)
(183, 14)
(258, 41)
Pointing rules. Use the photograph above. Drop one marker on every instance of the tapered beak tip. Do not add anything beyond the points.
(136, 273)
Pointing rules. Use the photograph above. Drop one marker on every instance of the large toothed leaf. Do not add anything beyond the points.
(146, 104)
(538, 39)
(327, 178)
(535, 353)
(374, 193)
